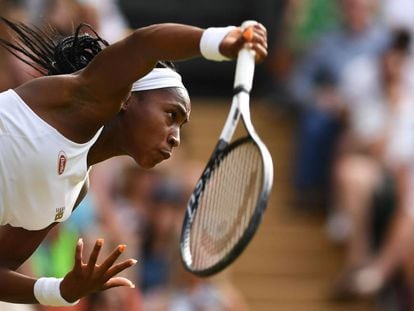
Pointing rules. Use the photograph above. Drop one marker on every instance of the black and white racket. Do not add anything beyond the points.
(227, 204)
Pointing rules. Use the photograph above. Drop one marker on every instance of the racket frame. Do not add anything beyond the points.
(239, 108)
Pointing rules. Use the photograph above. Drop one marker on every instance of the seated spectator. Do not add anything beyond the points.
(375, 150)
(313, 86)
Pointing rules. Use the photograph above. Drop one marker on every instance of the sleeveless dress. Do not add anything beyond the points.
(41, 171)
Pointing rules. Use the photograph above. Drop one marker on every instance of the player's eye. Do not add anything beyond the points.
(172, 115)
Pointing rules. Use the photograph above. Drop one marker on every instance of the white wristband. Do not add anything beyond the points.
(210, 42)
(47, 292)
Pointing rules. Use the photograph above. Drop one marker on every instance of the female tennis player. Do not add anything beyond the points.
(93, 102)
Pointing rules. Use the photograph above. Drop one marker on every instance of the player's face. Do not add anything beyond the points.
(154, 120)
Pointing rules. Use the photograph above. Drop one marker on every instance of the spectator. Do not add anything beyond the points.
(161, 233)
(300, 23)
(375, 150)
(313, 86)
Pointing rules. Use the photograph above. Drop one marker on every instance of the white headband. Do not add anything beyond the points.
(158, 78)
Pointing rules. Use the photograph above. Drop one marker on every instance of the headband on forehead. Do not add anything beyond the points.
(158, 78)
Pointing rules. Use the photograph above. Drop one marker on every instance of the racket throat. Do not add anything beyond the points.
(231, 122)
(240, 88)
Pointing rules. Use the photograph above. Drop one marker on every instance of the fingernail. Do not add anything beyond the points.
(99, 242)
(121, 247)
(80, 241)
(248, 34)
(132, 285)
(134, 261)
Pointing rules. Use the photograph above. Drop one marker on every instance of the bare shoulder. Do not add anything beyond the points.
(66, 103)
(53, 92)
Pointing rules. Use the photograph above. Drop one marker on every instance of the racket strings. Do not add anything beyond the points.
(226, 205)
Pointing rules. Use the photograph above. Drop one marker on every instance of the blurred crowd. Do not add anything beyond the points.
(350, 83)
(344, 71)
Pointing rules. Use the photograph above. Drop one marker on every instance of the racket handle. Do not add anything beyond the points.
(245, 64)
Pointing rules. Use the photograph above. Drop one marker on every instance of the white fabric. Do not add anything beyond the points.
(5, 306)
(361, 89)
(408, 205)
(158, 78)
(47, 293)
(210, 42)
(400, 138)
(372, 117)
(35, 189)
(398, 14)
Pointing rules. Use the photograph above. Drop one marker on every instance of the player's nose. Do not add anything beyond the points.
(174, 139)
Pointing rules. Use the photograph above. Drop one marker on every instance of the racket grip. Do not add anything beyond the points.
(245, 64)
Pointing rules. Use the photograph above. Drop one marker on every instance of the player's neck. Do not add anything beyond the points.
(108, 144)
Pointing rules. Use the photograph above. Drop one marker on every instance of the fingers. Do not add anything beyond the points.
(256, 32)
(105, 268)
(261, 52)
(91, 277)
(118, 268)
(255, 38)
(110, 260)
(78, 256)
(116, 282)
(94, 255)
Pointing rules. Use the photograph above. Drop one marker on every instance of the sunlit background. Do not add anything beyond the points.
(334, 103)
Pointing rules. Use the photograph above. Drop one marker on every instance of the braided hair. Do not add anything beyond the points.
(49, 55)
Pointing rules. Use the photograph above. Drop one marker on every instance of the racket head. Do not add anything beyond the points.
(227, 205)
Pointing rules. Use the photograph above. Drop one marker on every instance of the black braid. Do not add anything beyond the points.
(76, 52)
(53, 56)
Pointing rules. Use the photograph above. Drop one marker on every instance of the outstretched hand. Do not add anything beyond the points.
(86, 278)
(254, 37)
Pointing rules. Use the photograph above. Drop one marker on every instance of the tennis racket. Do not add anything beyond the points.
(227, 204)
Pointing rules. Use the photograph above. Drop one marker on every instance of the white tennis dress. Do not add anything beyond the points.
(41, 171)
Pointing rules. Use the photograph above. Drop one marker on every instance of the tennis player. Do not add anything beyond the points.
(92, 103)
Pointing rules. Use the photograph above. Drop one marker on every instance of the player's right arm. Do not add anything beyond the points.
(113, 70)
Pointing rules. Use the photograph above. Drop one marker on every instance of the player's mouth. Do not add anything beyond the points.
(166, 154)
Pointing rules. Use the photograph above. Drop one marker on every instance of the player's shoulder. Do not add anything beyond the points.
(53, 91)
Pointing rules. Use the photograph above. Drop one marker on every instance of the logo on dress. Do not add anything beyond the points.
(59, 213)
(62, 159)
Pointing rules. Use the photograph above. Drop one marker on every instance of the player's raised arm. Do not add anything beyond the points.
(113, 70)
